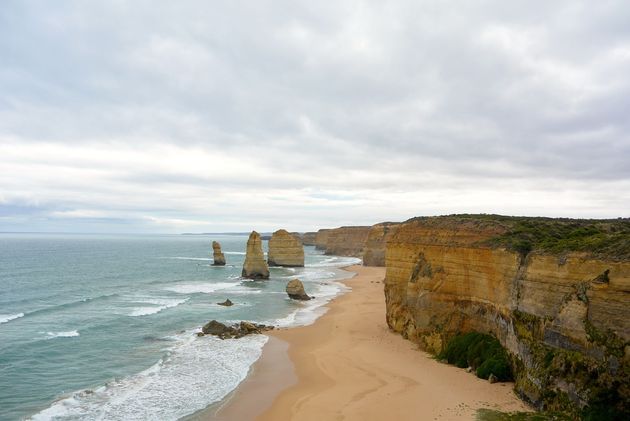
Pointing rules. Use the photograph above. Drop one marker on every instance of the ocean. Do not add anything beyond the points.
(104, 326)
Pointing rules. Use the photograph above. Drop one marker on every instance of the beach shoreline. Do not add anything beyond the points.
(349, 365)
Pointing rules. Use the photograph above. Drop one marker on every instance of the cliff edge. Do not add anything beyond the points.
(556, 293)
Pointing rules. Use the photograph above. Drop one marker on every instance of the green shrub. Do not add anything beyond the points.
(482, 352)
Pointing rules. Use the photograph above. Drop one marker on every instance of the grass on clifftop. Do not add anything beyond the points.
(482, 352)
(607, 238)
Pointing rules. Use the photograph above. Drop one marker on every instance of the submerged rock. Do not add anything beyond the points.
(285, 250)
(295, 290)
(255, 266)
(226, 303)
(233, 332)
(219, 257)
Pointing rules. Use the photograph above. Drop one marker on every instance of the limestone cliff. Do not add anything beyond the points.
(321, 239)
(217, 254)
(563, 316)
(374, 251)
(309, 238)
(347, 241)
(255, 266)
(285, 250)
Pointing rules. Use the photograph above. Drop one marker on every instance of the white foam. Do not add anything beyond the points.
(196, 373)
(311, 310)
(66, 334)
(235, 253)
(6, 318)
(205, 288)
(160, 303)
(336, 261)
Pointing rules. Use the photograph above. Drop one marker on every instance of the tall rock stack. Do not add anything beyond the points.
(255, 266)
(219, 258)
(285, 250)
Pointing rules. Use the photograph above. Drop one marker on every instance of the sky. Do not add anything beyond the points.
(212, 116)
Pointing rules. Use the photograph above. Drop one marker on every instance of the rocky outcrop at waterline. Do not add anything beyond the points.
(255, 266)
(217, 254)
(226, 303)
(560, 305)
(285, 250)
(236, 331)
(295, 290)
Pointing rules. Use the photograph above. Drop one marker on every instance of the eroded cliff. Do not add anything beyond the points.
(321, 239)
(347, 241)
(378, 236)
(564, 315)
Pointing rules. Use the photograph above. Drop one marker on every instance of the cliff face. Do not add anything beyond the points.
(285, 250)
(309, 238)
(321, 239)
(564, 318)
(255, 266)
(347, 241)
(374, 251)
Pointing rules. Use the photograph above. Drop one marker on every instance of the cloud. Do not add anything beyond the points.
(228, 115)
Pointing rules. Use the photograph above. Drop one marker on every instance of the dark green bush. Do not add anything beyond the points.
(482, 352)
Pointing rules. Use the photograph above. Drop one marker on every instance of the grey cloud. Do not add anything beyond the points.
(469, 92)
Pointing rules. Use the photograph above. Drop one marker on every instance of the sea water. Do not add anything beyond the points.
(104, 327)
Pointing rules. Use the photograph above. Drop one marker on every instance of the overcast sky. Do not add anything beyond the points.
(190, 116)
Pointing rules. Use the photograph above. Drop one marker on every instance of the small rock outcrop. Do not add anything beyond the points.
(219, 257)
(255, 266)
(285, 250)
(295, 290)
(226, 303)
(233, 332)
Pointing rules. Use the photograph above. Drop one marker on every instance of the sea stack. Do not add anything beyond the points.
(255, 266)
(285, 250)
(219, 257)
(295, 290)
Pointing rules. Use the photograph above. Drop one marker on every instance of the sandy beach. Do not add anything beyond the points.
(348, 365)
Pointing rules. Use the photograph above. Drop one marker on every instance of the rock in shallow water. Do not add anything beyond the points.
(217, 254)
(295, 290)
(233, 332)
(226, 303)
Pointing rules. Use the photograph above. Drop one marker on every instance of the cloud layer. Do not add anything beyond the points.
(160, 116)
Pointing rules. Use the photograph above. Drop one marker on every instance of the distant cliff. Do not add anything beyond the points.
(556, 293)
(374, 250)
(309, 238)
(321, 239)
(347, 241)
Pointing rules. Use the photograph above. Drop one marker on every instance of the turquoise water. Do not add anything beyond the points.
(103, 327)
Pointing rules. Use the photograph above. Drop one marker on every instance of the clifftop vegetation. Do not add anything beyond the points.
(606, 238)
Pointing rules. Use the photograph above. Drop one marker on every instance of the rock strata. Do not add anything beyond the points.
(321, 239)
(295, 290)
(564, 318)
(255, 266)
(378, 236)
(309, 238)
(233, 332)
(285, 250)
(219, 257)
(347, 241)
